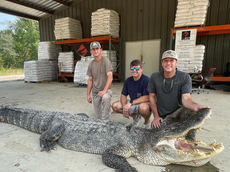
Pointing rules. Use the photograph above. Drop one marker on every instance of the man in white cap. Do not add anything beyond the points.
(100, 78)
(169, 90)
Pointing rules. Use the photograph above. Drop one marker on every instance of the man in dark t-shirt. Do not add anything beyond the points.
(169, 90)
(136, 87)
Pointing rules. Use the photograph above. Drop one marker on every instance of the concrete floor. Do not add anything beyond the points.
(20, 151)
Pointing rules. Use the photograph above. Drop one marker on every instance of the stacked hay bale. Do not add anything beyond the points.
(199, 51)
(66, 59)
(44, 69)
(113, 58)
(191, 12)
(46, 50)
(36, 71)
(80, 73)
(105, 22)
(67, 28)
(195, 65)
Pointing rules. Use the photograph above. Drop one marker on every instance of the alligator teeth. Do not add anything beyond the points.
(199, 129)
(209, 117)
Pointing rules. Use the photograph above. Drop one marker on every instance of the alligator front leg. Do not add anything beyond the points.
(48, 138)
(112, 159)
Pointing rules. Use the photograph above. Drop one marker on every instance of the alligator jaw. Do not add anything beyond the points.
(174, 150)
(184, 152)
(180, 129)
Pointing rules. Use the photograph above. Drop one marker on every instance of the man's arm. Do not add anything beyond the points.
(190, 104)
(89, 88)
(153, 106)
(108, 83)
(125, 105)
(141, 99)
(123, 100)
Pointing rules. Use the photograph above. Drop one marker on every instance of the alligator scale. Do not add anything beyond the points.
(118, 141)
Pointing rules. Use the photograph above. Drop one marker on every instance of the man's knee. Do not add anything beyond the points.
(144, 108)
(107, 97)
(116, 106)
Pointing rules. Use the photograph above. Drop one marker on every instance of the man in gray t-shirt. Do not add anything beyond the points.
(169, 99)
(100, 78)
(169, 90)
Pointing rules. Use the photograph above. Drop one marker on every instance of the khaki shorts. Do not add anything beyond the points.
(134, 108)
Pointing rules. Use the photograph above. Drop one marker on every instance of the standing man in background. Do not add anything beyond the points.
(100, 78)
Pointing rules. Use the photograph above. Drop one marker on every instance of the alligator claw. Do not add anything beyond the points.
(54, 148)
(128, 126)
(47, 146)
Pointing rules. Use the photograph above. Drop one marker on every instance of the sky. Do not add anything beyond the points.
(6, 17)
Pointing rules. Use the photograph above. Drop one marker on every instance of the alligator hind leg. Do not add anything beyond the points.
(111, 159)
(48, 138)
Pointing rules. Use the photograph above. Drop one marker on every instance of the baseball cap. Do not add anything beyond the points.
(95, 44)
(170, 54)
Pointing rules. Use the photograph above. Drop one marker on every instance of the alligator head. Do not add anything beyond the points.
(171, 148)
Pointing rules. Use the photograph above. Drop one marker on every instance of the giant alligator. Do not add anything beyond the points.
(117, 141)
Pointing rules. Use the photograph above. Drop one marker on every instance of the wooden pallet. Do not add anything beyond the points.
(188, 27)
(81, 85)
(67, 73)
(38, 81)
(65, 39)
(115, 37)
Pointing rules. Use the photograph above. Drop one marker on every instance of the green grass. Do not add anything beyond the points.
(11, 71)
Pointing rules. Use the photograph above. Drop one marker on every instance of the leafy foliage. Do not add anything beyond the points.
(18, 43)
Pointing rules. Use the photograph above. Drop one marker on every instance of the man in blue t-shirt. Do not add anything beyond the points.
(136, 87)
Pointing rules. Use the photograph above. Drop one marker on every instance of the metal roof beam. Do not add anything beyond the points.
(31, 6)
(63, 2)
(15, 13)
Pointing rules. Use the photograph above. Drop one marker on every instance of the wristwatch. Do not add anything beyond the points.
(131, 101)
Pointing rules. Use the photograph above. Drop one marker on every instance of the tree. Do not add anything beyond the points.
(19, 43)
(7, 53)
(26, 38)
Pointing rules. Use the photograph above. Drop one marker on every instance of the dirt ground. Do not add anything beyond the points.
(20, 151)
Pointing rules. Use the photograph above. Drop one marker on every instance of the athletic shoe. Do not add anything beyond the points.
(146, 126)
(137, 120)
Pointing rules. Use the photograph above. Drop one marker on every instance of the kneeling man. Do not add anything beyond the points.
(136, 87)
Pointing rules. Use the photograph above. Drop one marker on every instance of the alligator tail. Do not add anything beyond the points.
(32, 120)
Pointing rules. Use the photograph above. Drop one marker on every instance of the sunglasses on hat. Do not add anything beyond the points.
(137, 68)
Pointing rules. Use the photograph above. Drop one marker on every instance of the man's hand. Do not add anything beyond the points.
(126, 112)
(198, 107)
(89, 99)
(156, 122)
(101, 93)
(190, 104)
